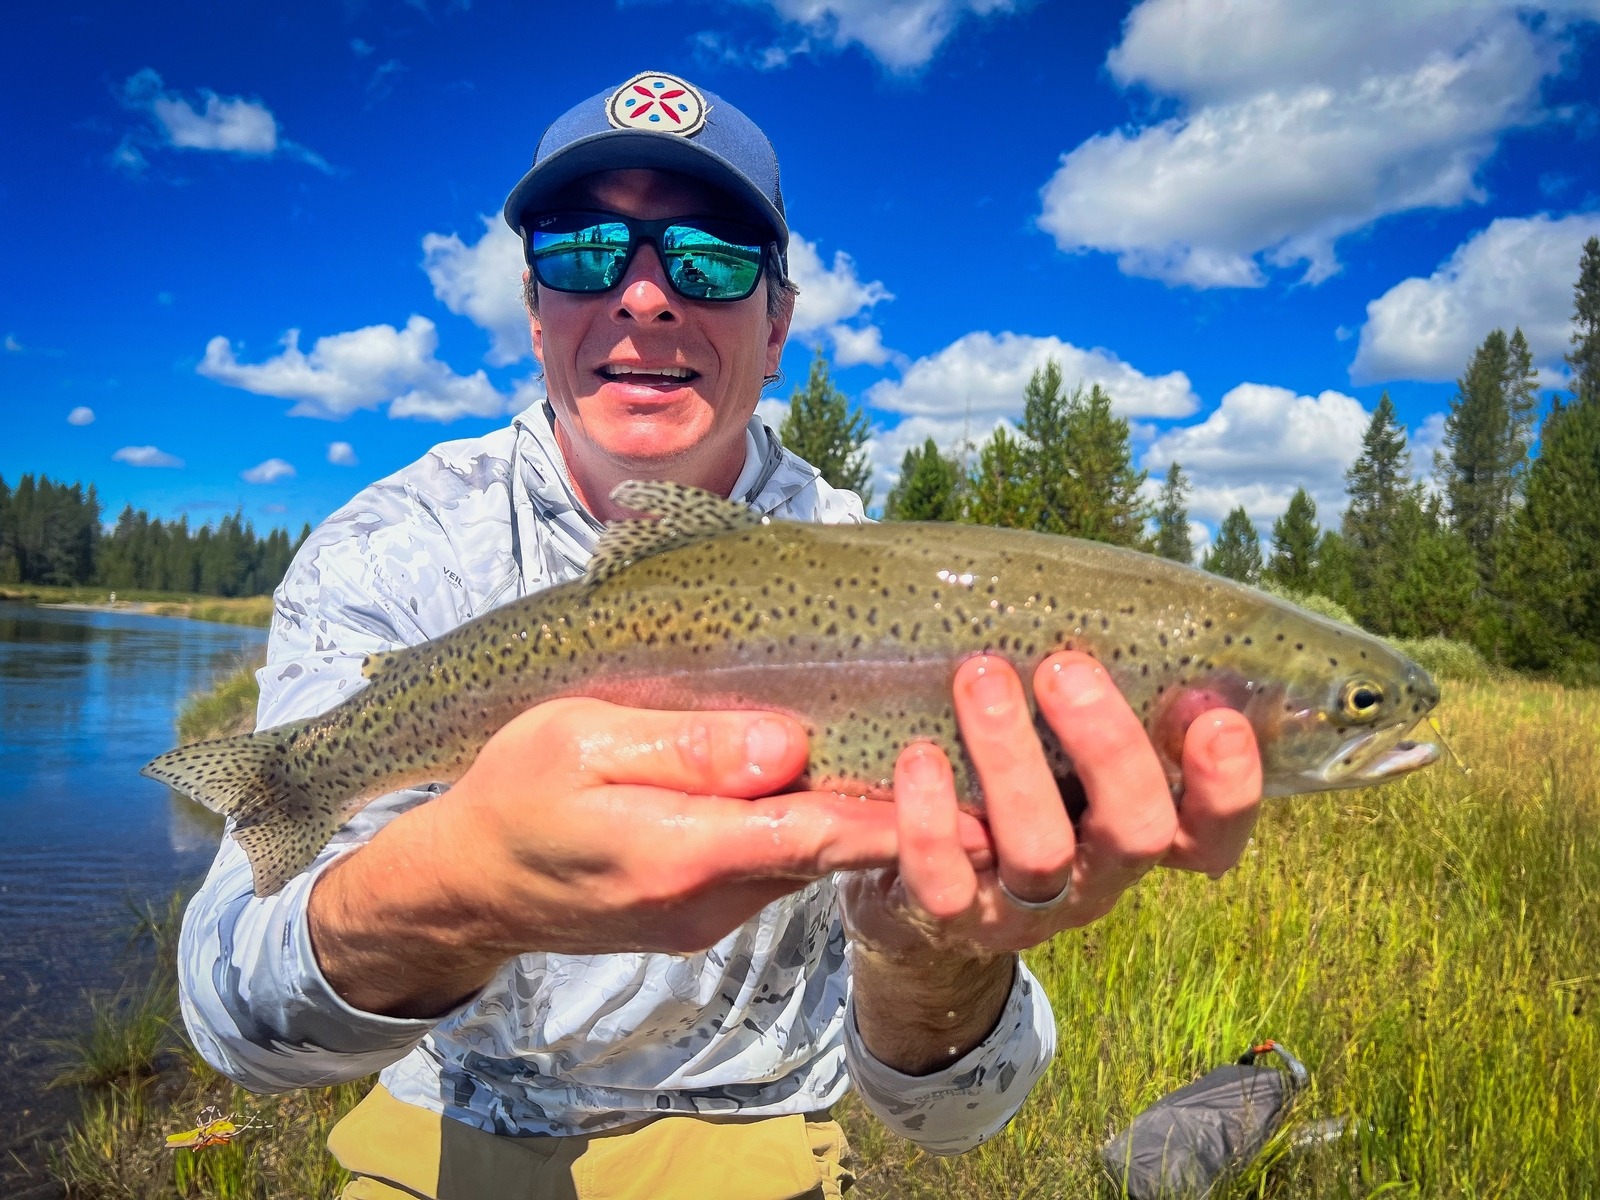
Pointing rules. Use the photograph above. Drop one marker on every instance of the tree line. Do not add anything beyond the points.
(50, 533)
(1503, 551)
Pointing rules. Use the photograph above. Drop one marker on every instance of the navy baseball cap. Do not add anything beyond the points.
(663, 122)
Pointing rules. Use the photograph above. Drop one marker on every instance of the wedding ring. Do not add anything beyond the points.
(1034, 905)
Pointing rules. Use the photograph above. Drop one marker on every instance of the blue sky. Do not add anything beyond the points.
(244, 255)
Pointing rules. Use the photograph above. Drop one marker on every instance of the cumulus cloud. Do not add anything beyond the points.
(903, 35)
(1518, 271)
(1260, 444)
(81, 416)
(227, 124)
(483, 282)
(1299, 122)
(342, 454)
(146, 456)
(362, 369)
(270, 471)
(830, 298)
(986, 374)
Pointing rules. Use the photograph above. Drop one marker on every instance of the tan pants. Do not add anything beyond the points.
(401, 1152)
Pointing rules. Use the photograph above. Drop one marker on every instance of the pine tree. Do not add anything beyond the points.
(1294, 545)
(1486, 441)
(1377, 483)
(1433, 588)
(828, 433)
(928, 489)
(1105, 504)
(1334, 576)
(1044, 425)
(1172, 518)
(1237, 551)
(1552, 576)
(1001, 489)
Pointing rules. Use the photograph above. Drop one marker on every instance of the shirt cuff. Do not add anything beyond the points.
(965, 1104)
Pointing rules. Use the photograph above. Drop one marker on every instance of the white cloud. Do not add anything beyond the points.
(483, 282)
(342, 454)
(902, 34)
(832, 296)
(1299, 122)
(270, 471)
(1259, 445)
(146, 456)
(987, 373)
(229, 124)
(1518, 271)
(12, 345)
(81, 416)
(362, 369)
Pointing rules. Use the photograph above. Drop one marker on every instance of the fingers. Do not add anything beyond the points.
(1222, 793)
(1033, 837)
(1130, 820)
(742, 754)
(934, 868)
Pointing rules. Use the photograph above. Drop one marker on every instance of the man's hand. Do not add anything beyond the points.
(587, 828)
(933, 937)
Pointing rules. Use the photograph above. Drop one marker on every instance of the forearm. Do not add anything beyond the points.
(254, 1001)
(395, 929)
(959, 1106)
(920, 1010)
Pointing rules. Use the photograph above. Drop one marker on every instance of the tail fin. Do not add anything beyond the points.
(278, 821)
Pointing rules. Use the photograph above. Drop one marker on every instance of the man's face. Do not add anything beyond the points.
(607, 358)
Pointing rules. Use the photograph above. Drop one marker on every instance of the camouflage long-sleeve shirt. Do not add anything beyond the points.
(556, 1043)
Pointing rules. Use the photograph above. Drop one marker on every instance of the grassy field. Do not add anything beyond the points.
(1431, 950)
(236, 610)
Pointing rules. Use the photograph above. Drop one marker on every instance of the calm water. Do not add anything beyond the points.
(85, 699)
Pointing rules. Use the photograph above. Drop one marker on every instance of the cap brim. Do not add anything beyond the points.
(620, 149)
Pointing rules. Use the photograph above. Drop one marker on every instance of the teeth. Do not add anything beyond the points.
(670, 372)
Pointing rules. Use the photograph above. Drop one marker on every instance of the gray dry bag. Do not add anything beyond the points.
(1187, 1140)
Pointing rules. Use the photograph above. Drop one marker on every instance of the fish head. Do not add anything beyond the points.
(1332, 706)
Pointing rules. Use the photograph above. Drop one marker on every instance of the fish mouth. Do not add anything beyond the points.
(1405, 755)
(1377, 756)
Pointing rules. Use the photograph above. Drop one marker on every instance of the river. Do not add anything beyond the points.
(85, 699)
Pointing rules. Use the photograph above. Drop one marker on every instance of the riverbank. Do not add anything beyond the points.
(1427, 948)
(225, 610)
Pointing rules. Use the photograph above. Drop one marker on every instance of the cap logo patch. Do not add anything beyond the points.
(657, 103)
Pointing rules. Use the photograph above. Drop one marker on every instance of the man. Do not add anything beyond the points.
(612, 958)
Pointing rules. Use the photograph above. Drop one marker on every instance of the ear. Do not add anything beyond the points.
(777, 335)
(535, 329)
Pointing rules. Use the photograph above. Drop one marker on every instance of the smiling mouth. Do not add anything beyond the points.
(641, 376)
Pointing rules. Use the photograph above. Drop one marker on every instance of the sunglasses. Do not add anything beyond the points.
(706, 258)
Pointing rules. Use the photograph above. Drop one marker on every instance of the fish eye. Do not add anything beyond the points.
(1361, 700)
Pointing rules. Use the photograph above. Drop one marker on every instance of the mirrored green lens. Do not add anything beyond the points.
(705, 266)
(590, 258)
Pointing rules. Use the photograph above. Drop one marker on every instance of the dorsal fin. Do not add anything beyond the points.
(685, 514)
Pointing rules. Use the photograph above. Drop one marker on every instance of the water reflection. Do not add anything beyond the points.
(85, 699)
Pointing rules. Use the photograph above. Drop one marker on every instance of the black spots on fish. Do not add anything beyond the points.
(1416, 706)
(1116, 654)
(916, 631)
(1280, 637)
(1144, 669)
(1185, 660)
(1299, 645)
(832, 630)
(1127, 610)
(1162, 638)
(1332, 662)
(1363, 654)
(1248, 640)
(948, 627)
(1207, 622)
(1227, 639)
(1105, 623)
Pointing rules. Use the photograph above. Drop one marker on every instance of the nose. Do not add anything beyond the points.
(644, 295)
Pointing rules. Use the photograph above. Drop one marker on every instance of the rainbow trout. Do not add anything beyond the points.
(855, 630)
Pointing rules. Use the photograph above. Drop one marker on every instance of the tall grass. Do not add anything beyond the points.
(1430, 949)
(227, 708)
(229, 610)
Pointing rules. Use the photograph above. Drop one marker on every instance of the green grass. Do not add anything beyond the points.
(1430, 949)
(229, 707)
(228, 610)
